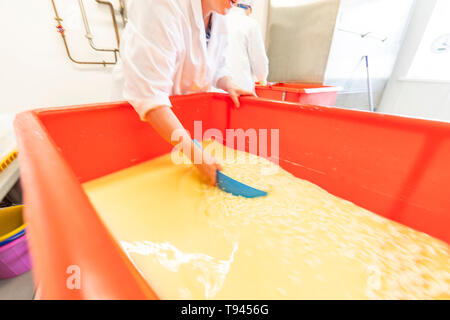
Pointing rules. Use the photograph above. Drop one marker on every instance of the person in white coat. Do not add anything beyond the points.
(174, 47)
(246, 53)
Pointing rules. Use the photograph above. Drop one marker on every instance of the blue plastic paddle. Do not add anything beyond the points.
(235, 187)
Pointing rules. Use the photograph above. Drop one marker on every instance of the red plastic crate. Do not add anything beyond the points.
(302, 93)
(394, 166)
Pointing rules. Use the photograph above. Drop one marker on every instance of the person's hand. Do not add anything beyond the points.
(263, 83)
(164, 121)
(233, 90)
(208, 168)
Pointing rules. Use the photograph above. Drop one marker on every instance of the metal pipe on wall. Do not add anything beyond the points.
(61, 30)
(113, 16)
(89, 35)
(382, 38)
(369, 86)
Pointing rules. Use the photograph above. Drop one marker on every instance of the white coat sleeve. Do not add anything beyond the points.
(257, 53)
(148, 54)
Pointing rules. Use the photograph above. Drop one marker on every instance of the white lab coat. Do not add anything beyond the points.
(163, 53)
(246, 54)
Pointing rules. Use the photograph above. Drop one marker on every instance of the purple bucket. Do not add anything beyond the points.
(14, 258)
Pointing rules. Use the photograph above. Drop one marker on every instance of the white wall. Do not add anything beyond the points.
(35, 71)
(432, 60)
(424, 99)
(386, 19)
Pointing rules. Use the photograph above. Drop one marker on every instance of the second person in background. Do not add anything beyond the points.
(246, 54)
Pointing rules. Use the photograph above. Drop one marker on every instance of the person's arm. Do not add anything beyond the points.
(165, 122)
(257, 54)
(148, 52)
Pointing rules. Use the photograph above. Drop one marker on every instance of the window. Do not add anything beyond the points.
(432, 59)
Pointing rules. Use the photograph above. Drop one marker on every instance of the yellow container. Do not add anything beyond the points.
(11, 222)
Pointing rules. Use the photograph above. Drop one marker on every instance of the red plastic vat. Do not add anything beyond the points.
(302, 93)
(396, 167)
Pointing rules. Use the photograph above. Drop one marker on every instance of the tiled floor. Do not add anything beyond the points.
(18, 288)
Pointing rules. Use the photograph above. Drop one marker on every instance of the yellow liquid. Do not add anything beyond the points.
(193, 241)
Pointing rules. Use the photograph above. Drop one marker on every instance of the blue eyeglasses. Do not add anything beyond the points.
(243, 6)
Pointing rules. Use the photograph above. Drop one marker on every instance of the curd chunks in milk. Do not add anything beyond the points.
(194, 241)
